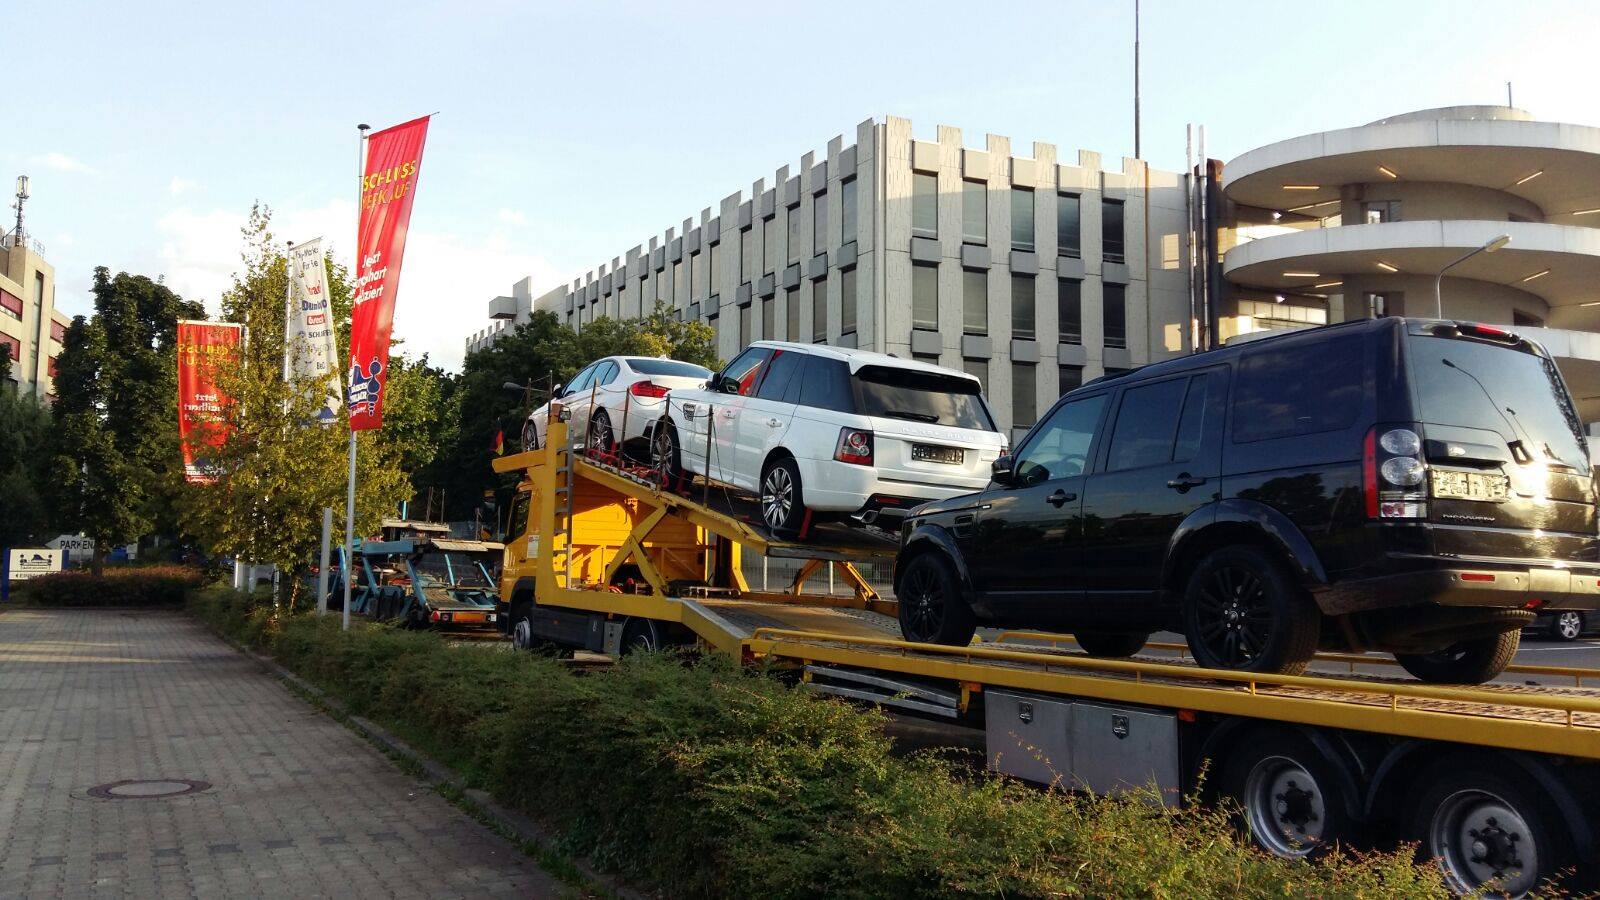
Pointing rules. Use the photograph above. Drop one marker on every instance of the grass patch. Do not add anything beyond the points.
(707, 780)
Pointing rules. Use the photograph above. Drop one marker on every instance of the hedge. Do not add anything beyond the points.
(698, 778)
(131, 586)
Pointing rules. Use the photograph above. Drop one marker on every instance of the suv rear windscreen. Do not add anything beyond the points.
(667, 367)
(1499, 388)
(915, 396)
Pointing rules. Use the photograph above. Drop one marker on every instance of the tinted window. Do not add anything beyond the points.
(922, 397)
(975, 301)
(746, 368)
(1305, 388)
(1060, 447)
(606, 373)
(1022, 218)
(780, 373)
(924, 205)
(827, 385)
(925, 297)
(1146, 423)
(847, 211)
(580, 380)
(1067, 228)
(1069, 310)
(974, 212)
(1501, 389)
(669, 367)
(1191, 425)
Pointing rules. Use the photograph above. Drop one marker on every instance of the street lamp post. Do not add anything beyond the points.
(1489, 246)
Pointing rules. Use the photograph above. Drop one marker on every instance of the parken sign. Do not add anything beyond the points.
(73, 543)
(25, 564)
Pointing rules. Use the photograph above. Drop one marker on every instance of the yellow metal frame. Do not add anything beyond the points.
(1554, 720)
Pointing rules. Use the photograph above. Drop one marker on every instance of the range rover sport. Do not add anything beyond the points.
(1417, 487)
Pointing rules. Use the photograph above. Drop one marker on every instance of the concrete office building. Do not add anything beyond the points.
(1359, 221)
(31, 331)
(1031, 272)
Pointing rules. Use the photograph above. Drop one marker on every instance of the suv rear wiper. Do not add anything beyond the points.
(913, 416)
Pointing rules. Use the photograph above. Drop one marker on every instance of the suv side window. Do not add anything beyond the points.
(780, 383)
(747, 369)
(1304, 387)
(827, 385)
(1060, 447)
(1147, 421)
(1191, 425)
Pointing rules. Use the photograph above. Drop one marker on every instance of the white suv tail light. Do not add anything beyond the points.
(855, 446)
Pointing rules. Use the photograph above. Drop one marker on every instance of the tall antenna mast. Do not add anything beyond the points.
(22, 196)
(1508, 94)
(1136, 153)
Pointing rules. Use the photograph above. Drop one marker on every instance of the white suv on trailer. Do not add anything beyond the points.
(828, 430)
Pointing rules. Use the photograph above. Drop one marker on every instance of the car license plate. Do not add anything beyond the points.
(952, 456)
(1488, 488)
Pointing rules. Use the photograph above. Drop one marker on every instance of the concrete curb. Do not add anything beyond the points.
(439, 775)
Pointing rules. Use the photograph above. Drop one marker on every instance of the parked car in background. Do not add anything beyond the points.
(631, 388)
(1563, 625)
(1416, 487)
(831, 431)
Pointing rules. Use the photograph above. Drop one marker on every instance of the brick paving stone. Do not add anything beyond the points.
(299, 806)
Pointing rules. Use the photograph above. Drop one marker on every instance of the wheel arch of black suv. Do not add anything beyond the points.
(926, 538)
(1238, 521)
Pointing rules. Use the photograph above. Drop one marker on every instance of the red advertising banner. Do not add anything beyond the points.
(388, 186)
(204, 348)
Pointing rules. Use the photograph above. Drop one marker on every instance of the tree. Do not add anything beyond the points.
(25, 464)
(117, 452)
(279, 469)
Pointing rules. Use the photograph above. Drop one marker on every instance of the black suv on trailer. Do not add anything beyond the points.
(1413, 486)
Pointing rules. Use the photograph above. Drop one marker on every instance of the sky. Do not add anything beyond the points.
(567, 133)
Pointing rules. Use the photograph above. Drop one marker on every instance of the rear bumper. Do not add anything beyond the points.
(1456, 582)
(832, 486)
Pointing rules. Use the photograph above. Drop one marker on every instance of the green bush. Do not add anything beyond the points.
(132, 586)
(703, 779)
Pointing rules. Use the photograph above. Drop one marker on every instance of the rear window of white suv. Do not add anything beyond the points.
(915, 396)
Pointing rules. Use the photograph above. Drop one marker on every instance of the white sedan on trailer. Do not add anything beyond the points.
(617, 395)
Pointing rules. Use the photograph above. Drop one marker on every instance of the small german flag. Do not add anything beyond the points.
(500, 442)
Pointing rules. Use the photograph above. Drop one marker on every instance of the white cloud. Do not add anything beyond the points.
(61, 162)
(177, 187)
(512, 217)
(445, 288)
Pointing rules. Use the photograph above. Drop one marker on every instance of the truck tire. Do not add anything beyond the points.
(1466, 662)
(932, 608)
(1288, 794)
(642, 636)
(1111, 643)
(1480, 822)
(1242, 611)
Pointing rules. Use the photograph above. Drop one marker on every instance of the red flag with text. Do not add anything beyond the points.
(389, 184)
(204, 349)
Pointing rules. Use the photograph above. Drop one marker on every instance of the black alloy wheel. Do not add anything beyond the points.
(1242, 611)
(932, 609)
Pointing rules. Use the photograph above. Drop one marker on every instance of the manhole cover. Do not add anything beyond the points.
(146, 789)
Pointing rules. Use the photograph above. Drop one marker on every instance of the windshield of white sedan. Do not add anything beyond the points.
(922, 397)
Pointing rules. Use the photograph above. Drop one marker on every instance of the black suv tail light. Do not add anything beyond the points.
(1393, 473)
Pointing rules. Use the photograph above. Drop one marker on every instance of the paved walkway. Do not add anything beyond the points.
(298, 805)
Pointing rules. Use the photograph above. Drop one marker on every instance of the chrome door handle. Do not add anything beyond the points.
(1184, 482)
(1060, 498)
(775, 423)
(729, 413)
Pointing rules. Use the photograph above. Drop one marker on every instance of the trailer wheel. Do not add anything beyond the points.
(932, 609)
(1487, 829)
(641, 636)
(1242, 611)
(1109, 643)
(1288, 796)
(1466, 662)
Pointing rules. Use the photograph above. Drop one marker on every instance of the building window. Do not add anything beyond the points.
(750, 238)
(1379, 211)
(819, 223)
(847, 212)
(11, 305)
(13, 345)
(1270, 316)
(744, 326)
(925, 297)
(719, 268)
(694, 312)
(974, 301)
(794, 235)
(1069, 226)
(974, 212)
(1022, 219)
(1069, 378)
(819, 310)
(767, 322)
(979, 369)
(58, 332)
(791, 314)
(1023, 313)
(1111, 247)
(1024, 389)
(847, 300)
(1116, 316)
(1069, 310)
(769, 240)
(924, 205)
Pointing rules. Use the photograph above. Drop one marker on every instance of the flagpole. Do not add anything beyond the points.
(350, 493)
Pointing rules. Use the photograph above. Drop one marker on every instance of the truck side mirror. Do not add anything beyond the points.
(1001, 470)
